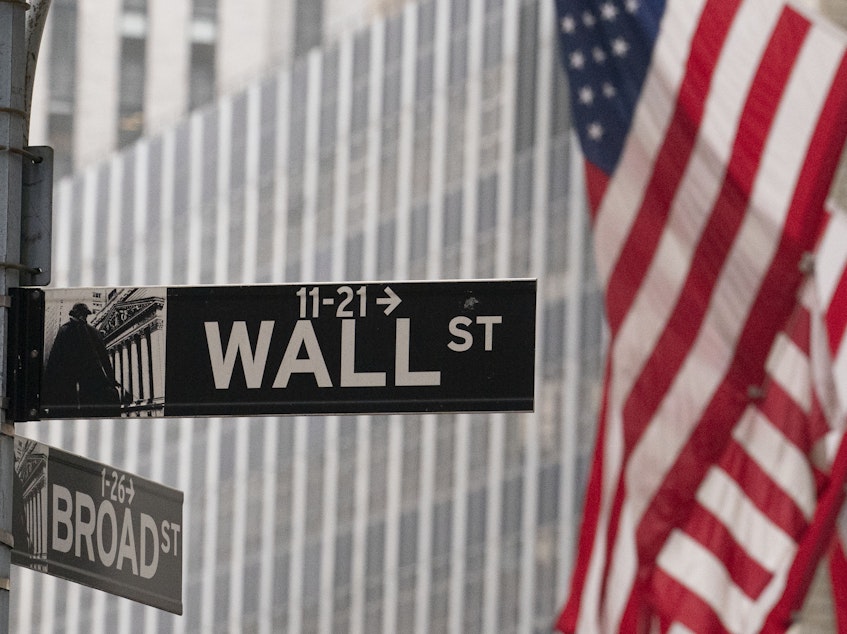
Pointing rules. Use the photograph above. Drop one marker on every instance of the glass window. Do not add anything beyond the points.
(209, 171)
(453, 217)
(280, 591)
(312, 571)
(548, 494)
(459, 58)
(131, 122)
(561, 118)
(510, 523)
(425, 78)
(487, 200)
(238, 141)
(180, 201)
(60, 129)
(492, 44)
(154, 206)
(394, 39)
(201, 75)
(408, 538)
(136, 6)
(308, 25)
(426, 23)
(420, 232)
(62, 56)
(343, 559)
(355, 251)
(250, 592)
(205, 9)
(361, 53)
(442, 531)
(385, 256)
(554, 337)
(525, 86)
(102, 225)
(375, 551)
(477, 501)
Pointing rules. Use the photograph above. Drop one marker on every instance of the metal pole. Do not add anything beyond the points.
(36, 18)
(12, 125)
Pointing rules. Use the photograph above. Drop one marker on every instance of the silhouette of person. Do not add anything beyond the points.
(79, 379)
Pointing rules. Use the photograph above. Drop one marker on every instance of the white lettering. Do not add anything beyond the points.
(176, 528)
(488, 322)
(62, 518)
(455, 329)
(303, 335)
(76, 518)
(85, 529)
(349, 376)
(148, 526)
(166, 539)
(238, 344)
(403, 376)
(127, 550)
(107, 557)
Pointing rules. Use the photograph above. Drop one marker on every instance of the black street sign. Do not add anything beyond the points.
(355, 348)
(90, 523)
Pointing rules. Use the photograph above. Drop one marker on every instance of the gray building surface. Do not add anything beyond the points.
(111, 72)
(428, 140)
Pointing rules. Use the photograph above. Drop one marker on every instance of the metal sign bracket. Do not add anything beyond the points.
(25, 353)
(37, 217)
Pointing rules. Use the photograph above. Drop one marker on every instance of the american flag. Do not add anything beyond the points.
(711, 130)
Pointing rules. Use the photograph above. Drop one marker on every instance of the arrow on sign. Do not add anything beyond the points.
(391, 300)
(131, 491)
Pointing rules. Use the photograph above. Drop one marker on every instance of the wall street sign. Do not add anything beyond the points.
(96, 525)
(376, 347)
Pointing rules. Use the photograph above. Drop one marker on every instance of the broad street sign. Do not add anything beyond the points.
(377, 347)
(90, 523)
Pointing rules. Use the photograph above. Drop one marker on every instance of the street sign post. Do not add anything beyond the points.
(96, 525)
(376, 347)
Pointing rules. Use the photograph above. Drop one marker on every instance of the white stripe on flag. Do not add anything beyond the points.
(652, 115)
(697, 568)
(831, 255)
(789, 366)
(781, 460)
(763, 540)
(830, 262)
(797, 116)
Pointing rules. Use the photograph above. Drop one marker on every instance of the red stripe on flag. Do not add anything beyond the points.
(671, 504)
(637, 253)
(588, 530)
(683, 327)
(762, 491)
(836, 314)
(829, 138)
(743, 569)
(769, 312)
(687, 608)
(838, 581)
(596, 182)
(783, 412)
(814, 543)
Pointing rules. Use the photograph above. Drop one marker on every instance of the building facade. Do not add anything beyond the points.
(110, 73)
(429, 142)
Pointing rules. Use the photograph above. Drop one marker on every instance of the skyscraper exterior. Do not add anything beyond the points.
(111, 73)
(428, 141)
